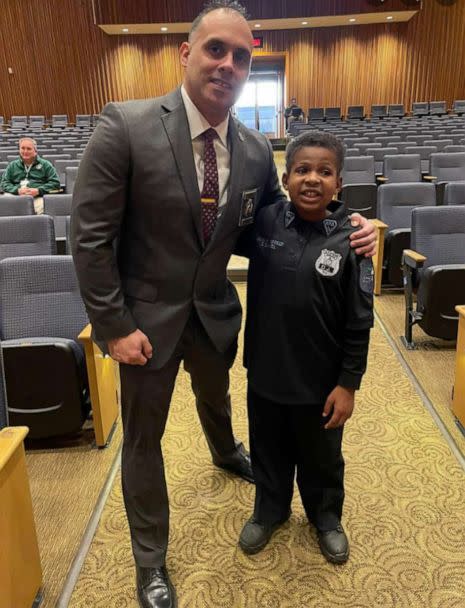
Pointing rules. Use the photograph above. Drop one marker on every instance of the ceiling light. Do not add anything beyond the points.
(125, 29)
(304, 22)
(390, 17)
(258, 25)
(352, 19)
(164, 29)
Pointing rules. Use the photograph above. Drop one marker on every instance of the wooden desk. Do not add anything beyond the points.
(20, 569)
(102, 373)
(458, 402)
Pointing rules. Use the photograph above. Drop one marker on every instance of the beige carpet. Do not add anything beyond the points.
(432, 362)
(404, 513)
(65, 485)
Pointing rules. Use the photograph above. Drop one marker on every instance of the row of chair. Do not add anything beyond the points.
(57, 120)
(379, 111)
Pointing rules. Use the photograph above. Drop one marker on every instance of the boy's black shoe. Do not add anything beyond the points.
(255, 535)
(154, 588)
(334, 545)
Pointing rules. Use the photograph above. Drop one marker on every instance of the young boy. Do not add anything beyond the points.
(309, 314)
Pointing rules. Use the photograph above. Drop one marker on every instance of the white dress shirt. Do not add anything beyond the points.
(198, 124)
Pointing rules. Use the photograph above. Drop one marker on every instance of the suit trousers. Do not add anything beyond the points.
(284, 438)
(145, 398)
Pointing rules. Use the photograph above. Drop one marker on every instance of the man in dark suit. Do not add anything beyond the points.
(174, 180)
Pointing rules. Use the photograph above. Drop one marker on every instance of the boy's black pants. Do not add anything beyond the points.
(283, 438)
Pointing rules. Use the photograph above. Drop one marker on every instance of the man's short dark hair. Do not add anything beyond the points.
(214, 5)
(312, 139)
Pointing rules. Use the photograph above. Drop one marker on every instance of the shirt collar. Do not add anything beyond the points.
(327, 226)
(198, 123)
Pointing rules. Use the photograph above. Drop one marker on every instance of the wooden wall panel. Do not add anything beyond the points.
(63, 63)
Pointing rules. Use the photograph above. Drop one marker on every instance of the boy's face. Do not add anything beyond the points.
(312, 181)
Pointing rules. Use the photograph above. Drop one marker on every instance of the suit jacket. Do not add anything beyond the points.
(137, 187)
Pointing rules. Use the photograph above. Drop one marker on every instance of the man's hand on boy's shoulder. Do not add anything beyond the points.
(364, 239)
(339, 405)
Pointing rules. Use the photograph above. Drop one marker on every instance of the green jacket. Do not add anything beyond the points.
(42, 175)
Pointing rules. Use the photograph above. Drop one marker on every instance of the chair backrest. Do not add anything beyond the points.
(402, 168)
(59, 120)
(16, 205)
(58, 206)
(352, 152)
(439, 234)
(378, 111)
(333, 113)
(420, 108)
(40, 298)
(36, 121)
(54, 157)
(26, 235)
(439, 143)
(367, 146)
(448, 166)
(400, 145)
(459, 106)
(70, 174)
(385, 139)
(316, 114)
(437, 107)
(19, 121)
(396, 109)
(454, 148)
(379, 153)
(454, 193)
(358, 170)
(60, 166)
(82, 120)
(396, 201)
(355, 112)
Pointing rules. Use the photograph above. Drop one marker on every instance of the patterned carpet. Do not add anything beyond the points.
(404, 513)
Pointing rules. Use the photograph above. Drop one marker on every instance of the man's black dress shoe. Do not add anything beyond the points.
(334, 545)
(242, 467)
(154, 588)
(256, 535)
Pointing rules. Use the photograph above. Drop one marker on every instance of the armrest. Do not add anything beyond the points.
(10, 439)
(413, 258)
(429, 178)
(460, 309)
(381, 178)
(380, 228)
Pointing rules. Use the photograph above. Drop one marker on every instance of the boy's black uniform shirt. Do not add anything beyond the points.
(309, 306)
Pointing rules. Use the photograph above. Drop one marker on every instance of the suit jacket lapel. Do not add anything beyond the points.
(230, 216)
(177, 130)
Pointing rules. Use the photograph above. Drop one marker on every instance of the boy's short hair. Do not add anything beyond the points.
(315, 138)
(214, 5)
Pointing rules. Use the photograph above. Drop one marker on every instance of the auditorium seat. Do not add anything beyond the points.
(454, 148)
(425, 154)
(83, 120)
(437, 108)
(60, 166)
(378, 155)
(378, 111)
(316, 114)
(36, 122)
(436, 263)
(454, 193)
(41, 316)
(446, 167)
(358, 185)
(355, 113)
(439, 143)
(58, 207)
(401, 168)
(458, 107)
(352, 152)
(333, 113)
(394, 207)
(18, 122)
(420, 108)
(59, 120)
(16, 205)
(26, 235)
(396, 110)
(70, 178)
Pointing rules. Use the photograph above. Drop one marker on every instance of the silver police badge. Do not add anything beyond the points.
(327, 263)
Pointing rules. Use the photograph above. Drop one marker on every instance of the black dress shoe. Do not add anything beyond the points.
(334, 545)
(242, 467)
(154, 588)
(256, 535)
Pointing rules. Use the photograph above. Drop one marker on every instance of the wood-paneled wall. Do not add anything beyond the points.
(63, 63)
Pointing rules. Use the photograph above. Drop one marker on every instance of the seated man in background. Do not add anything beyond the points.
(292, 113)
(30, 174)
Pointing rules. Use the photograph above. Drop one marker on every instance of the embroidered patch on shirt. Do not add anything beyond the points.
(328, 263)
(366, 277)
(289, 218)
(330, 226)
(269, 243)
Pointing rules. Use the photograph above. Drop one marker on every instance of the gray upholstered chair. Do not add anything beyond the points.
(420, 108)
(355, 113)
(16, 205)
(26, 235)
(395, 205)
(437, 108)
(378, 111)
(41, 316)
(60, 166)
(359, 186)
(396, 110)
(402, 168)
(59, 120)
(454, 193)
(70, 178)
(58, 206)
(436, 262)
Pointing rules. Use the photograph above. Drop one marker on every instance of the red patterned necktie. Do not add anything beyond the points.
(210, 192)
